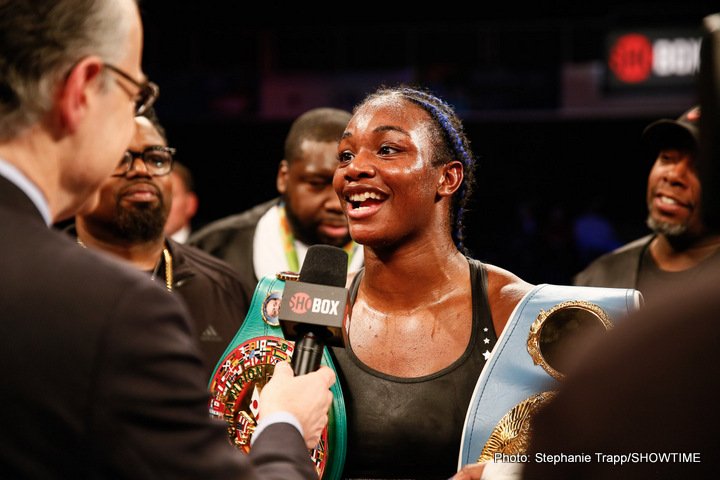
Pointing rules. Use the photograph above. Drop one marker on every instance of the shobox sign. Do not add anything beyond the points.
(653, 58)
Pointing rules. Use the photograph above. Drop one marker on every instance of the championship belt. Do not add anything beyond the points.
(528, 364)
(248, 364)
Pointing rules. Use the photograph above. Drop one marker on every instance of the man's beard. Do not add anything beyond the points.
(140, 223)
(668, 229)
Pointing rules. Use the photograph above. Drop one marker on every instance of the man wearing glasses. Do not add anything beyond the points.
(128, 222)
(101, 377)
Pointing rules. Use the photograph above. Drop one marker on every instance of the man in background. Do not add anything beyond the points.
(681, 244)
(101, 378)
(274, 236)
(128, 221)
(184, 203)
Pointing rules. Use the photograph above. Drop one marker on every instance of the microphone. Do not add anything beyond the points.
(314, 307)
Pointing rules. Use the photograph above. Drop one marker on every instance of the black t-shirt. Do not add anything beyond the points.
(652, 279)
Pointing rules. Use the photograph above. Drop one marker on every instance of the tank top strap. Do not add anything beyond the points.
(355, 286)
(482, 316)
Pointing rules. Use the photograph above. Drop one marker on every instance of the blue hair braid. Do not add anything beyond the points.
(454, 136)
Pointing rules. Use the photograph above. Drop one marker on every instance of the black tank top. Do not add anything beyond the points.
(411, 427)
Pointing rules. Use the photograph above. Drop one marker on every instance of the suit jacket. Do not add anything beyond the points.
(101, 377)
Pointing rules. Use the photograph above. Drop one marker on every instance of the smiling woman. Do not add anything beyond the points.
(425, 315)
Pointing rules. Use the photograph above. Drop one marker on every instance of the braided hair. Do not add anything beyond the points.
(450, 142)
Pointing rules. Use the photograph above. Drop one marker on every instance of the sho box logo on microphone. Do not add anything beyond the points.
(301, 303)
(313, 304)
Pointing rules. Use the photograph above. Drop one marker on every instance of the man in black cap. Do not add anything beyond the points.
(681, 244)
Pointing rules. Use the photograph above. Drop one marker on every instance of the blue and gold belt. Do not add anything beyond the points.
(526, 365)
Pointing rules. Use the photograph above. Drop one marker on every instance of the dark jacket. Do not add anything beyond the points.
(231, 240)
(212, 291)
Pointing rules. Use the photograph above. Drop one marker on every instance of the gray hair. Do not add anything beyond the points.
(40, 41)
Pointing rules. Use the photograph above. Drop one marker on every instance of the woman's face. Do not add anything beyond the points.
(384, 178)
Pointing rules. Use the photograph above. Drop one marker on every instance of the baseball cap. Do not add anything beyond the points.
(682, 133)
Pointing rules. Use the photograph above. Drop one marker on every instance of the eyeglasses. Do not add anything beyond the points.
(148, 91)
(158, 161)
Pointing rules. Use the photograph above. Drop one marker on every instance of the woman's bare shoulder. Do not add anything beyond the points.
(505, 290)
(505, 283)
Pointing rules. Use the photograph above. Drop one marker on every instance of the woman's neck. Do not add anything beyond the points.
(407, 275)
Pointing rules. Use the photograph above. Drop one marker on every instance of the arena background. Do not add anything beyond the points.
(555, 138)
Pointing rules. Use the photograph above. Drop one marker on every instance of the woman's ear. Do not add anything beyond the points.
(451, 179)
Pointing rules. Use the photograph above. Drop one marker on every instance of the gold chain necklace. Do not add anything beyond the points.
(168, 268)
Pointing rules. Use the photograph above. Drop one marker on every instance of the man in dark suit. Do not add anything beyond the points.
(94, 386)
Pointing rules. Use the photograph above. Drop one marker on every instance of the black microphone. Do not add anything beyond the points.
(314, 307)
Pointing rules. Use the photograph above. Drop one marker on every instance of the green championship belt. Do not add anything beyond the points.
(248, 364)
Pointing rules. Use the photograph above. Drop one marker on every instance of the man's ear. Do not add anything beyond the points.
(78, 91)
(282, 177)
(451, 179)
(191, 204)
